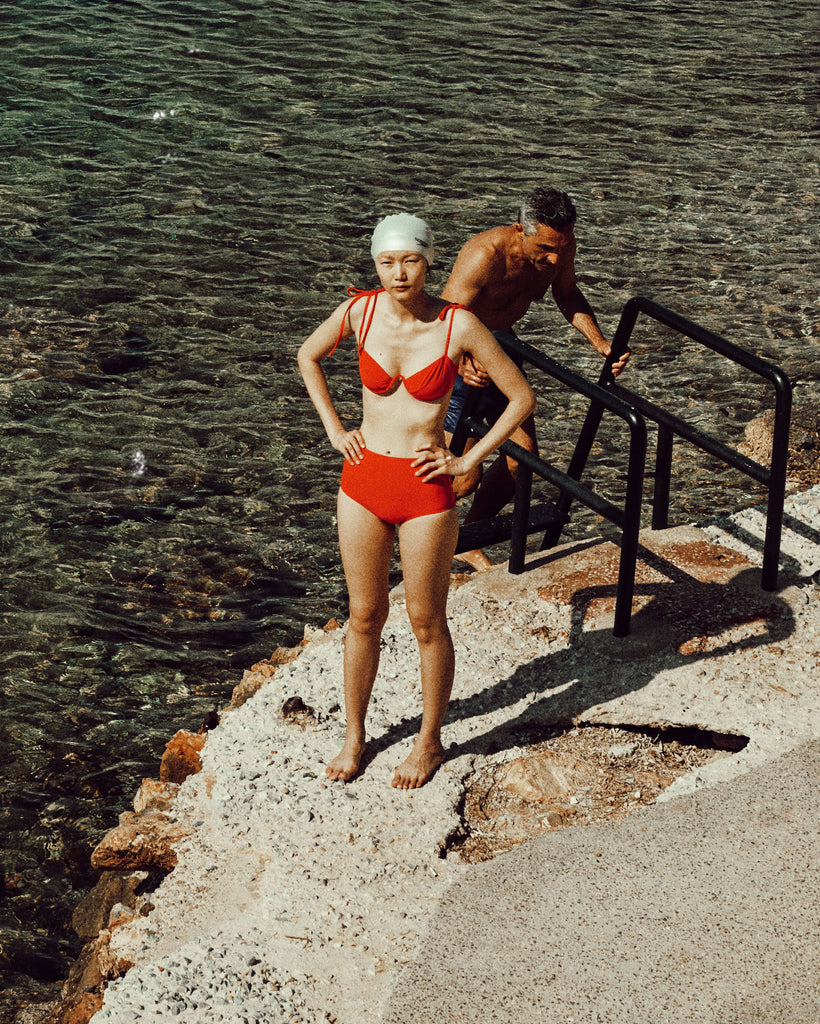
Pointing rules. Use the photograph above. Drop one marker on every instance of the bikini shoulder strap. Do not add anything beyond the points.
(369, 297)
(451, 308)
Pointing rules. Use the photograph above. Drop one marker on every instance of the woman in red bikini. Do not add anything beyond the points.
(397, 472)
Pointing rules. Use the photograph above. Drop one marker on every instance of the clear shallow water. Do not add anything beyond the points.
(187, 188)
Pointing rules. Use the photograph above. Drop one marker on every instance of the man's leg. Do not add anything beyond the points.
(465, 484)
(497, 488)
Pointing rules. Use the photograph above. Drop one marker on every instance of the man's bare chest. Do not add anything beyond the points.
(527, 285)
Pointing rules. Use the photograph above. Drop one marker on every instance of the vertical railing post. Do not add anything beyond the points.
(777, 481)
(583, 446)
(520, 519)
(631, 525)
(592, 421)
(663, 478)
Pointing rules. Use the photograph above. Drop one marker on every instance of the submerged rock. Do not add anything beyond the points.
(804, 444)
(113, 888)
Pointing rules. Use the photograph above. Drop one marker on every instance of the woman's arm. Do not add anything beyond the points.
(475, 338)
(313, 350)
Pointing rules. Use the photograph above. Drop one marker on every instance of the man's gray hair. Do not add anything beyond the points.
(548, 206)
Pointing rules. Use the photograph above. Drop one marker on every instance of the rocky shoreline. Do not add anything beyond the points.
(243, 887)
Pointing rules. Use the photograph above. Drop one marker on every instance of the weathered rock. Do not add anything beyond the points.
(257, 675)
(85, 973)
(110, 965)
(181, 756)
(296, 711)
(155, 796)
(804, 443)
(120, 914)
(82, 993)
(141, 842)
(78, 1011)
(281, 656)
(247, 686)
(92, 912)
(543, 776)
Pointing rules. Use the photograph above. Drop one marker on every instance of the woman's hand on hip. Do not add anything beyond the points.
(351, 444)
(433, 461)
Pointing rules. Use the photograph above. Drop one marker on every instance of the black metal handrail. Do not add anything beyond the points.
(627, 519)
(669, 426)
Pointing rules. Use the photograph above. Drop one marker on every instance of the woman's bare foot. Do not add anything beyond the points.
(345, 765)
(476, 559)
(421, 765)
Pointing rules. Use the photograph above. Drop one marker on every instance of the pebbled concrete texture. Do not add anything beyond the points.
(295, 899)
(704, 908)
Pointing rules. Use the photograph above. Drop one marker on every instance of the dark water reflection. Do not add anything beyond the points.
(187, 188)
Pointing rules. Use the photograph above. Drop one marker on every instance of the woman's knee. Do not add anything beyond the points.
(368, 620)
(428, 628)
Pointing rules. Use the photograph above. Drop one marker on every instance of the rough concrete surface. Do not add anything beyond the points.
(704, 908)
(299, 900)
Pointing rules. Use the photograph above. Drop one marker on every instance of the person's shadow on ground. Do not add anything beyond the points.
(680, 620)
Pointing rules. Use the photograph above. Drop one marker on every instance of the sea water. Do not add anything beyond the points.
(187, 188)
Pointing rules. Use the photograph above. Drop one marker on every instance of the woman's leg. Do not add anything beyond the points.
(366, 544)
(427, 545)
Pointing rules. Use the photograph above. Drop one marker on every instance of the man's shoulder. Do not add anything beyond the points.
(496, 239)
(487, 248)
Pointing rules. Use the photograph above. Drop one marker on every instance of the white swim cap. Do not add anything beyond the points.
(402, 232)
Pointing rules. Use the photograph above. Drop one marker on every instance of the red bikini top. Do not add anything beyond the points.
(428, 384)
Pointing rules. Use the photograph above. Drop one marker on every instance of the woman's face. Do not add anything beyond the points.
(402, 274)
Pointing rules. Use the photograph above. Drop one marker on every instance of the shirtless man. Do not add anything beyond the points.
(498, 274)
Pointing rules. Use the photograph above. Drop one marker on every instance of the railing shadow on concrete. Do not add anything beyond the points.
(634, 410)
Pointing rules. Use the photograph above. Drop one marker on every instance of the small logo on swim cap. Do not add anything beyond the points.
(400, 232)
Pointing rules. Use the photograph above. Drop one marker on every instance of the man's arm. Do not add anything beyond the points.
(471, 273)
(577, 311)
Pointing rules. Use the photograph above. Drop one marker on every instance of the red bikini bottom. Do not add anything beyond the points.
(389, 488)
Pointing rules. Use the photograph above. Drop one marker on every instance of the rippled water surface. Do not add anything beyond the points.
(185, 191)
